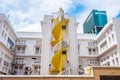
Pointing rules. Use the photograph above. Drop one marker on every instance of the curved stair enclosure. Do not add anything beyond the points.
(60, 56)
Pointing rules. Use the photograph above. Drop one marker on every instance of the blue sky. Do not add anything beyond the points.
(25, 15)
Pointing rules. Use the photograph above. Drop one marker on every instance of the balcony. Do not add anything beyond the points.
(18, 62)
(36, 62)
(20, 52)
(21, 43)
(38, 44)
(91, 46)
(107, 49)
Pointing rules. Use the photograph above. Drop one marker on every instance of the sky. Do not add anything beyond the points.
(25, 15)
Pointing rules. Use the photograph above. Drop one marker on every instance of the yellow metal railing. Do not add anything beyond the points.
(58, 35)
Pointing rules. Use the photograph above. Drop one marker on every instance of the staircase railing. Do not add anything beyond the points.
(53, 50)
(65, 72)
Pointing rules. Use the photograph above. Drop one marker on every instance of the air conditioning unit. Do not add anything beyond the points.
(27, 68)
(12, 48)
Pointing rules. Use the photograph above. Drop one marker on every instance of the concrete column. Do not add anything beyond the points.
(73, 49)
(46, 48)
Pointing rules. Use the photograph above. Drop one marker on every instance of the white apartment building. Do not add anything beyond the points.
(28, 53)
(35, 53)
(102, 49)
(7, 45)
(108, 44)
(87, 50)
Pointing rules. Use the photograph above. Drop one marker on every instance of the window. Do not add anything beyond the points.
(0, 60)
(90, 52)
(5, 36)
(16, 67)
(6, 63)
(93, 50)
(94, 53)
(111, 55)
(117, 61)
(63, 27)
(36, 67)
(23, 50)
(2, 33)
(63, 52)
(10, 42)
(37, 50)
(115, 53)
(104, 59)
(112, 37)
(18, 48)
(101, 60)
(93, 61)
(107, 64)
(89, 43)
(109, 40)
(113, 61)
(20, 61)
(6, 69)
(20, 67)
(2, 54)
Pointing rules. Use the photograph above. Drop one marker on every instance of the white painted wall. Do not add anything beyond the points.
(73, 48)
(46, 47)
(116, 28)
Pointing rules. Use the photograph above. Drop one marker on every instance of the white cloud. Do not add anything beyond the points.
(31, 28)
(36, 11)
(29, 19)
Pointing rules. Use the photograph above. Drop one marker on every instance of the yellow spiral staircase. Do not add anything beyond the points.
(58, 59)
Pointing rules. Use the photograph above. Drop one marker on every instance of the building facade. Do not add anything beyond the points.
(58, 49)
(7, 45)
(95, 22)
(59, 44)
(28, 53)
(103, 48)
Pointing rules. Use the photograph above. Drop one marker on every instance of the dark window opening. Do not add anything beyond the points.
(20, 67)
(10, 42)
(34, 58)
(64, 52)
(26, 68)
(110, 77)
(63, 27)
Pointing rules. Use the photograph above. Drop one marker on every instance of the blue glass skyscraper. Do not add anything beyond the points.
(95, 22)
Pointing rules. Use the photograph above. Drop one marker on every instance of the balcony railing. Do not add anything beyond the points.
(38, 44)
(107, 47)
(20, 51)
(20, 43)
(18, 62)
(65, 72)
(36, 62)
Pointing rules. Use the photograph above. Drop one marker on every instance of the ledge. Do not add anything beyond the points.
(54, 76)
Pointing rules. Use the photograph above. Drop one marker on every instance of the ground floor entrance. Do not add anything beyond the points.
(110, 77)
